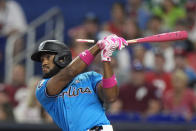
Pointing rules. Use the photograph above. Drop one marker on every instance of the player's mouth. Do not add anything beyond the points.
(45, 68)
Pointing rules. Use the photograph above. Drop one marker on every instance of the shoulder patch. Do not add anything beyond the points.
(40, 84)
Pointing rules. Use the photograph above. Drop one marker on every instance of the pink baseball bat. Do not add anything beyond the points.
(164, 37)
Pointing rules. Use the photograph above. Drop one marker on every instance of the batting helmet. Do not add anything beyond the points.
(63, 54)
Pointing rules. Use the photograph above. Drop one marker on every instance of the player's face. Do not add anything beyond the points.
(48, 67)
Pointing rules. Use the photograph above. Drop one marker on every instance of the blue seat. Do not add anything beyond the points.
(178, 118)
(2, 60)
(161, 117)
(158, 118)
(124, 116)
(193, 119)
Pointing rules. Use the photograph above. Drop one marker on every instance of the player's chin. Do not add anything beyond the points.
(46, 75)
(50, 73)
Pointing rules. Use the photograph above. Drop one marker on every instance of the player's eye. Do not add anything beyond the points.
(48, 56)
(41, 59)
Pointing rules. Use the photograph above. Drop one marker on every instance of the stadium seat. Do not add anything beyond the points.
(193, 119)
(2, 59)
(124, 116)
(161, 117)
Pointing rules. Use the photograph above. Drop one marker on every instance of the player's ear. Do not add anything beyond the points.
(62, 59)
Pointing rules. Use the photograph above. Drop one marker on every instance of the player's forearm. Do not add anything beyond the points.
(68, 73)
(109, 94)
(78, 65)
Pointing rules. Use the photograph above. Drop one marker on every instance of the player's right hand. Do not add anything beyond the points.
(109, 44)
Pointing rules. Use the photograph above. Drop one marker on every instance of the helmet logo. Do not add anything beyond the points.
(41, 46)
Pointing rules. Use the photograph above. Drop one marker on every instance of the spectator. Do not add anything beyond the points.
(138, 54)
(180, 100)
(18, 81)
(137, 95)
(138, 12)
(191, 58)
(12, 21)
(130, 31)
(116, 20)
(6, 109)
(76, 48)
(191, 10)
(154, 26)
(187, 45)
(91, 26)
(168, 53)
(170, 12)
(158, 77)
(28, 110)
(77, 33)
(190, 14)
(6, 112)
(87, 30)
(181, 63)
(141, 54)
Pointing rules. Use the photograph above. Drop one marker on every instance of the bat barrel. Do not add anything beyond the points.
(164, 37)
(180, 35)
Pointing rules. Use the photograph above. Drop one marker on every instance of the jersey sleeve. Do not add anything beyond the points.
(95, 79)
(42, 96)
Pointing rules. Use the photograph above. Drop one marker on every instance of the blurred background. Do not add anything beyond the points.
(157, 81)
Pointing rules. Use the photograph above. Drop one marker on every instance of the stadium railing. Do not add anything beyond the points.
(50, 25)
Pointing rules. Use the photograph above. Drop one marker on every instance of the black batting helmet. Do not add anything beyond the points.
(63, 54)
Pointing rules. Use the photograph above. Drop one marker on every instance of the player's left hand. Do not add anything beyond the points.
(109, 44)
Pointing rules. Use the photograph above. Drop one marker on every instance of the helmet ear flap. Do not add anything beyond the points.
(62, 59)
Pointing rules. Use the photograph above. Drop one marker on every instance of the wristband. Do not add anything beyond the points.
(87, 57)
(109, 82)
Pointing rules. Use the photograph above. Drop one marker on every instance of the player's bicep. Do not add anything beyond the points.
(57, 83)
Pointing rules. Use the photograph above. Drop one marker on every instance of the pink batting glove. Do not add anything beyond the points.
(119, 40)
(106, 51)
(109, 45)
(122, 43)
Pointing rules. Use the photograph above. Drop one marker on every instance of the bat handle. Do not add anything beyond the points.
(85, 41)
(132, 41)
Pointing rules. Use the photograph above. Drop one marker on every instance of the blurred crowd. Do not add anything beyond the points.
(152, 78)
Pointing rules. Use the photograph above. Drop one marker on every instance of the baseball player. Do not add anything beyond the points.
(74, 99)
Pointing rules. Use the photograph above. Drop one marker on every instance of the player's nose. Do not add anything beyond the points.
(45, 61)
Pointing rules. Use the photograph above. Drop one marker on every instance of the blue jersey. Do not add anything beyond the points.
(77, 107)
